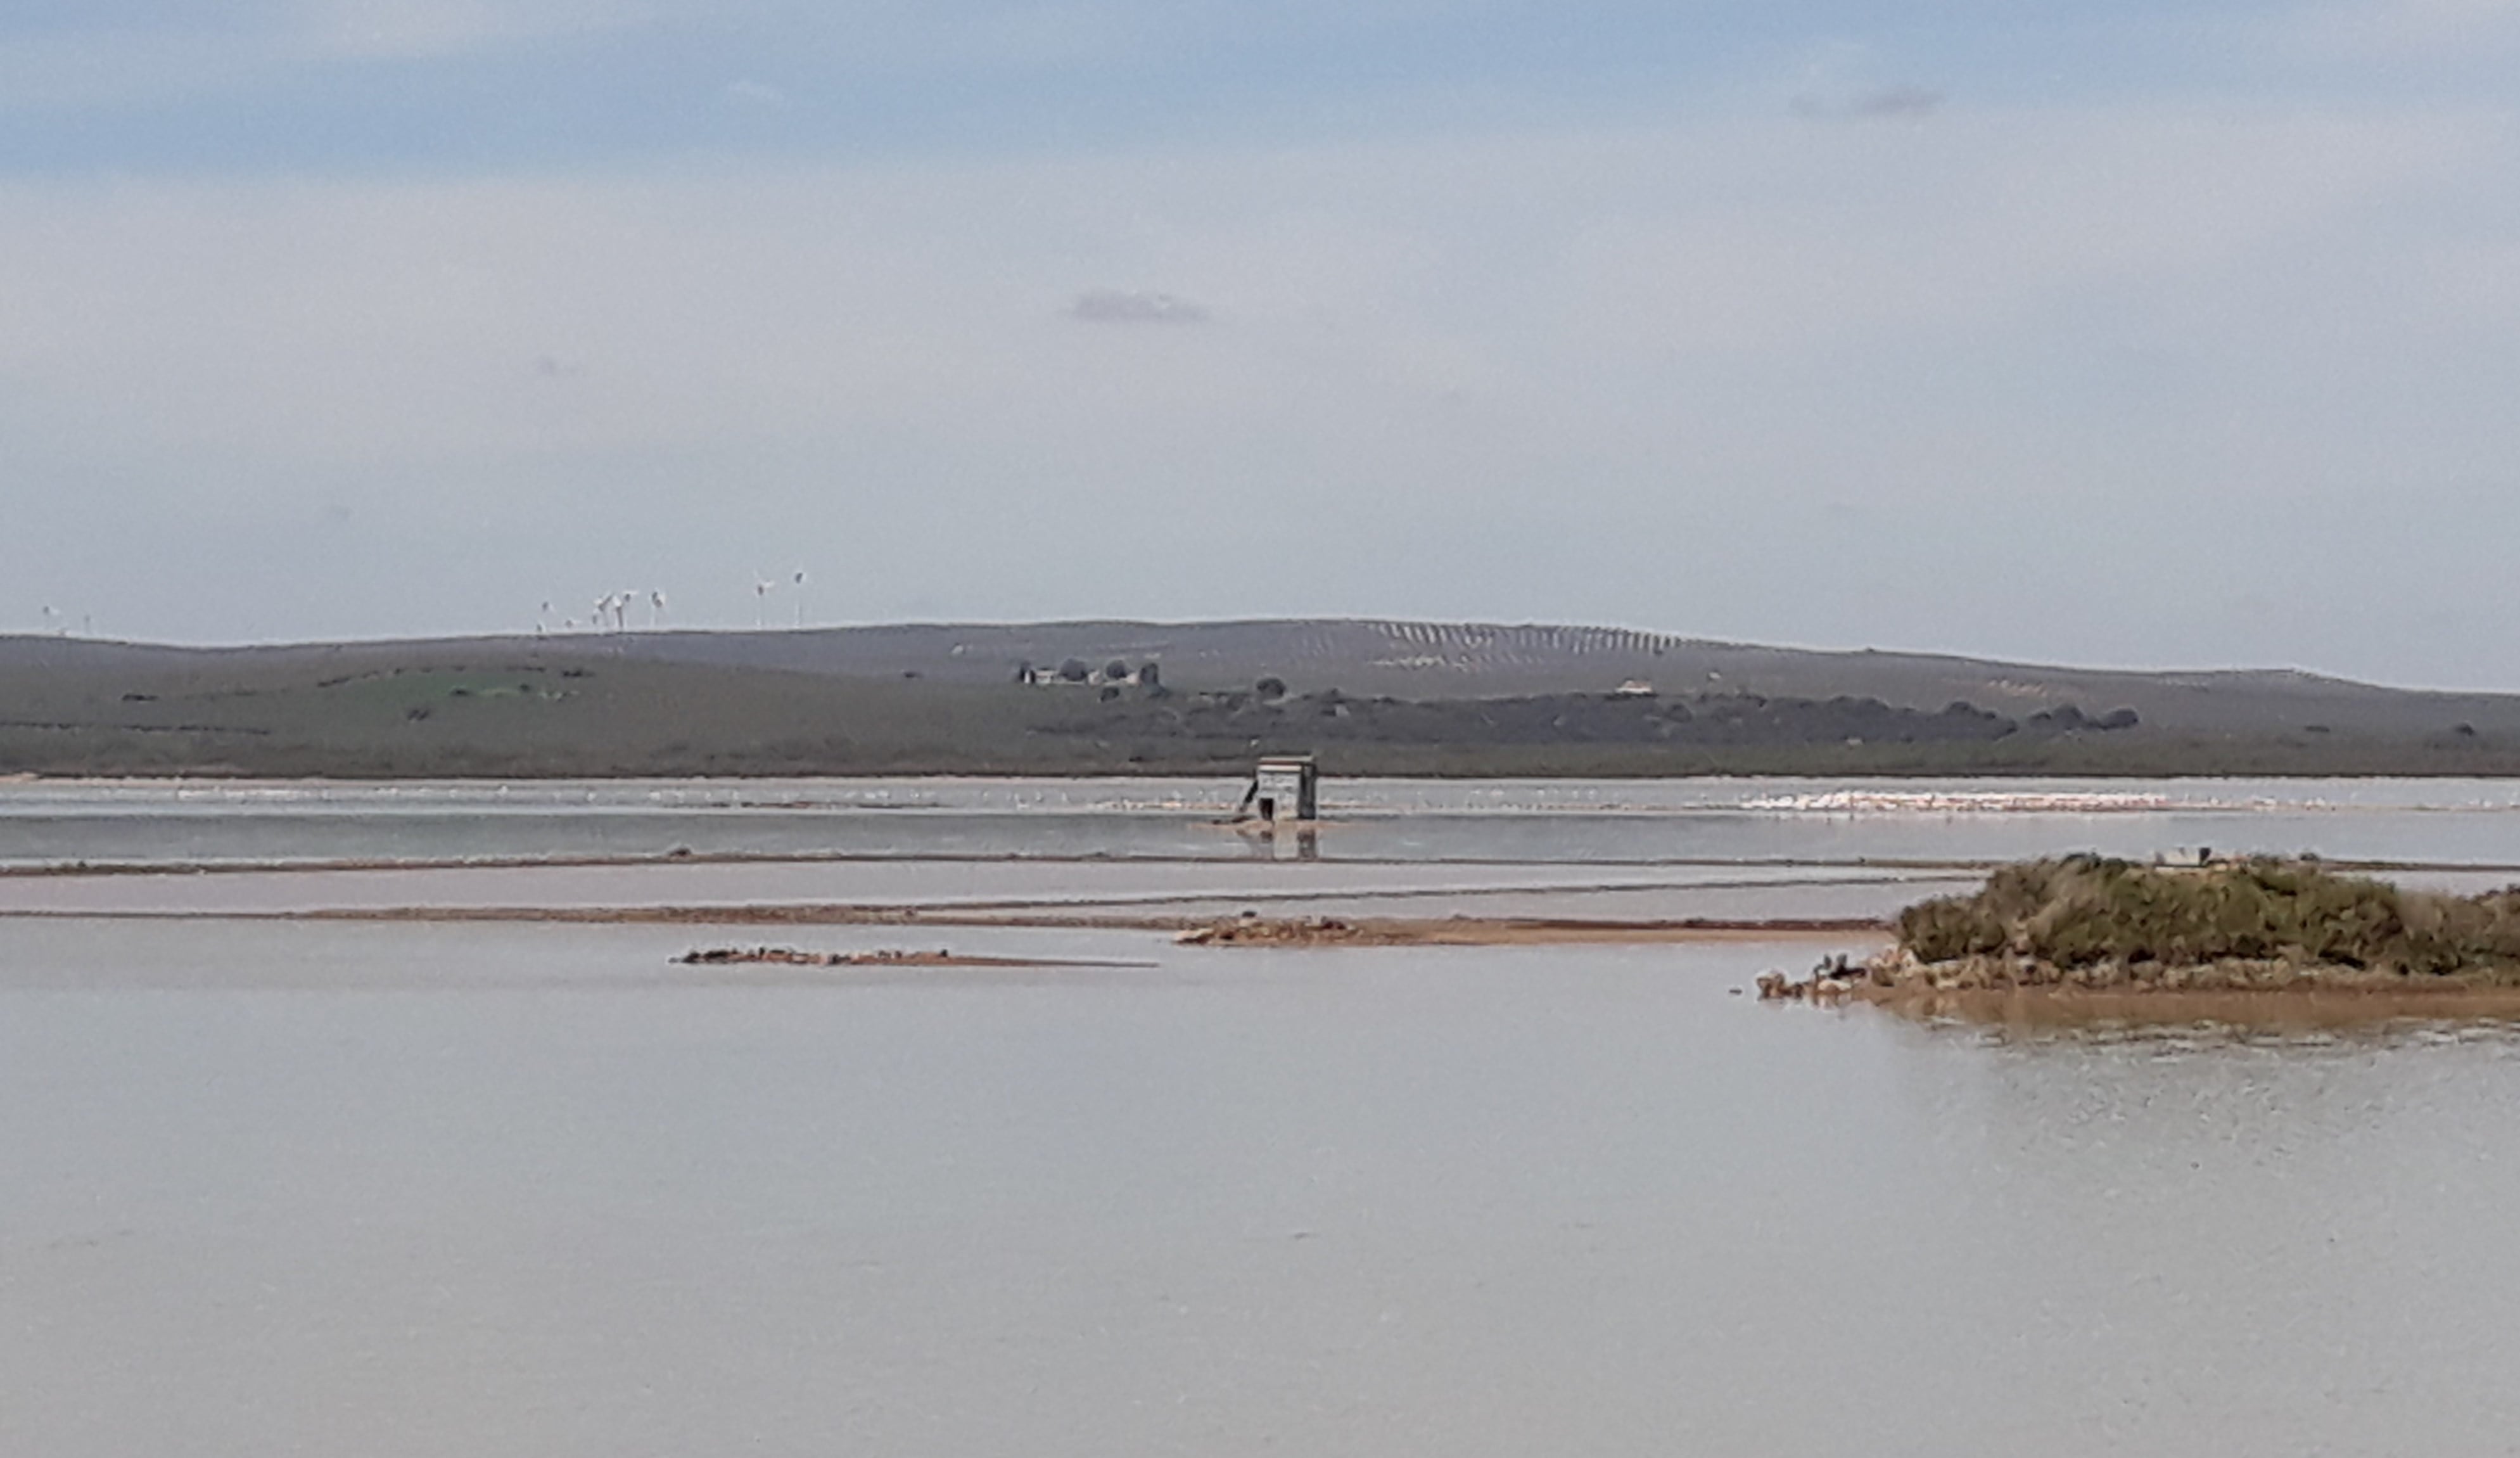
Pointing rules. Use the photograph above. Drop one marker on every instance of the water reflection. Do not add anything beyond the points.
(2209, 1019)
(1301, 842)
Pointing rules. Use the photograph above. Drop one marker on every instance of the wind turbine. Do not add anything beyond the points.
(542, 619)
(800, 597)
(48, 619)
(655, 609)
(761, 602)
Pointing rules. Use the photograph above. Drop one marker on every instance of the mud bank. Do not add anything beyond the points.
(1899, 974)
(2274, 995)
(1301, 932)
(886, 957)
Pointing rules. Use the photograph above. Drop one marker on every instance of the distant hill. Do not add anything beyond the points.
(1382, 696)
(1454, 660)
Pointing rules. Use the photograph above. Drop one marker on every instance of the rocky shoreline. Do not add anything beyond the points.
(1899, 975)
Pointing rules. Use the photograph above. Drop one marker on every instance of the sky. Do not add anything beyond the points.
(2133, 334)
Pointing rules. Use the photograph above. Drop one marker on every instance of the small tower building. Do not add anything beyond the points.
(1286, 787)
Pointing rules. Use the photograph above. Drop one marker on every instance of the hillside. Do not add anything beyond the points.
(1432, 660)
(1371, 697)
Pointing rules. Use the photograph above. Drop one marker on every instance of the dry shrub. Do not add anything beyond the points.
(2086, 910)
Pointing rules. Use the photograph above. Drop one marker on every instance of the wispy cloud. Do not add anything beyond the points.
(1134, 306)
(758, 94)
(71, 68)
(2407, 23)
(115, 60)
(425, 28)
(1882, 103)
(2359, 29)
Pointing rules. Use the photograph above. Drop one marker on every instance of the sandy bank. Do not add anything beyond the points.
(1301, 932)
(2002, 988)
(885, 957)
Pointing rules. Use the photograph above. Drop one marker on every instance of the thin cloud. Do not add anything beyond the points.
(100, 62)
(757, 94)
(1896, 101)
(2402, 28)
(1881, 104)
(1134, 306)
(421, 29)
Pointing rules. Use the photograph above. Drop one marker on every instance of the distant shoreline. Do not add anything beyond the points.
(2233, 767)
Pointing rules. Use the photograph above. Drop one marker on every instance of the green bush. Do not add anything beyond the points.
(2084, 910)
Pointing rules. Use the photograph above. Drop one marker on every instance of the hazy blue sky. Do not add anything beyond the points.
(2132, 332)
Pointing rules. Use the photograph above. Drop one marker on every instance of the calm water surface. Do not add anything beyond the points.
(500, 1190)
(2468, 822)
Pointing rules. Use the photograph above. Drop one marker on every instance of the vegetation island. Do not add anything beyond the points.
(2090, 923)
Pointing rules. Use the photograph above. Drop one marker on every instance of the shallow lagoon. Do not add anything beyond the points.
(527, 1188)
(531, 1190)
(2464, 821)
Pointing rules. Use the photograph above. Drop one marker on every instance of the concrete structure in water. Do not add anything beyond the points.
(1285, 788)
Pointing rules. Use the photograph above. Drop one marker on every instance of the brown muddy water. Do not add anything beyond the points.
(519, 1189)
